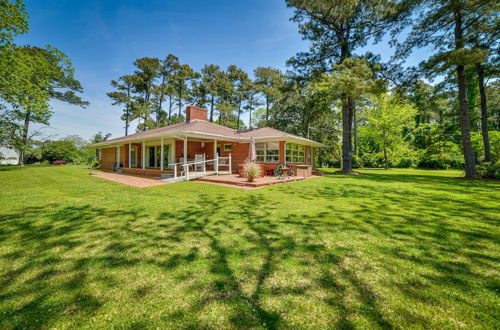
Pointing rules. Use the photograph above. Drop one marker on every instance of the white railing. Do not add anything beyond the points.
(217, 162)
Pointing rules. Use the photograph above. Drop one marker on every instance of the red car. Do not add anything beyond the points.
(59, 162)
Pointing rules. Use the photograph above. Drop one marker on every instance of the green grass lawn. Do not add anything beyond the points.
(388, 249)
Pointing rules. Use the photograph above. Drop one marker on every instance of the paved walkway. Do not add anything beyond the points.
(131, 180)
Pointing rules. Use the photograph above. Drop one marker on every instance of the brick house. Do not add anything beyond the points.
(158, 152)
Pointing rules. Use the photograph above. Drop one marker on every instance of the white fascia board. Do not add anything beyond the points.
(287, 138)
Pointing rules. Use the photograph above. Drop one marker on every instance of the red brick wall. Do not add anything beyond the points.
(108, 157)
(193, 112)
(239, 153)
(194, 147)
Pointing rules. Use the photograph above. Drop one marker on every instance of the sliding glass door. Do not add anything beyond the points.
(154, 155)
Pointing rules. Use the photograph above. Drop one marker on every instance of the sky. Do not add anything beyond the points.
(103, 38)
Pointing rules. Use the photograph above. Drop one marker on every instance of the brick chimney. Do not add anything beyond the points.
(195, 113)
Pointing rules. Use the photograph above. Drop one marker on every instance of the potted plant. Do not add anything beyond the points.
(251, 171)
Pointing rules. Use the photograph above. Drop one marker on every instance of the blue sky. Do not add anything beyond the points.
(103, 38)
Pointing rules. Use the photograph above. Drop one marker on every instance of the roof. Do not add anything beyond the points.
(208, 130)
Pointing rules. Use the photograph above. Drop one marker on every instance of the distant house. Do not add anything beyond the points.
(202, 146)
(10, 157)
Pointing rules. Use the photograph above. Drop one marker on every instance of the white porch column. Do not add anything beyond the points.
(161, 155)
(172, 152)
(117, 156)
(215, 148)
(143, 155)
(129, 154)
(185, 150)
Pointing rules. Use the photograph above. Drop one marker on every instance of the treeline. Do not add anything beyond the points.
(442, 113)
(72, 149)
(156, 93)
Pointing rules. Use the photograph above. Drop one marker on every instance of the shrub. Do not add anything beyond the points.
(375, 160)
(443, 154)
(477, 144)
(357, 162)
(251, 171)
(489, 170)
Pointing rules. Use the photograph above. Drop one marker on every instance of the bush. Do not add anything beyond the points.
(489, 170)
(357, 162)
(373, 160)
(443, 154)
(477, 144)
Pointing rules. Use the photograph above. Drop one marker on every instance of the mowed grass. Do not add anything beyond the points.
(388, 249)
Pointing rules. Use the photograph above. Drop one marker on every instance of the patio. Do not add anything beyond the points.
(236, 180)
(139, 181)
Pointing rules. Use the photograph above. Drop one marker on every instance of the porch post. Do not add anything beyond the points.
(215, 147)
(185, 150)
(161, 155)
(217, 163)
(129, 154)
(118, 156)
(230, 165)
(143, 155)
(172, 153)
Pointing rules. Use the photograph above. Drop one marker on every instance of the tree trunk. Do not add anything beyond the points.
(484, 114)
(127, 115)
(239, 114)
(347, 114)
(355, 131)
(170, 106)
(470, 166)
(385, 159)
(212, 109)
(267, 109)
(24, 140)
(180, 102)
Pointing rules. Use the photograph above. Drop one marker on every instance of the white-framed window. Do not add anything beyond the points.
(294, 153)
(268, 152)
(228, 147)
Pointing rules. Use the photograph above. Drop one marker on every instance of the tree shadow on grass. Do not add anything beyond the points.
(267, 267)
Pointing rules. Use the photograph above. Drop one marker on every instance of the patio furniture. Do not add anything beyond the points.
(282, 172)
(199, 158)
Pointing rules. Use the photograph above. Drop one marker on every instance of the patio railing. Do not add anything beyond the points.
(187, 174)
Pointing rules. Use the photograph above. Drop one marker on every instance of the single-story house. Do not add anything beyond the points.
(169, 150)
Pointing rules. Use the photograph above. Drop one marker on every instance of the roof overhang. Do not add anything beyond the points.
(291, 139)
(207, 136)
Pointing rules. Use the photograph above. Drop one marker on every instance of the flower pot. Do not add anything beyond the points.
(250, 178)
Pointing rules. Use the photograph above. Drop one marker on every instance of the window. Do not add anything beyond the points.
(228, 147)
(294, 153)
(268, 152)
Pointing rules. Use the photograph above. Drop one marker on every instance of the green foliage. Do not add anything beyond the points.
(442, 154)
(13, 20)
(477, 144)
(386, 119)
(60, 150)
(489, 170)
